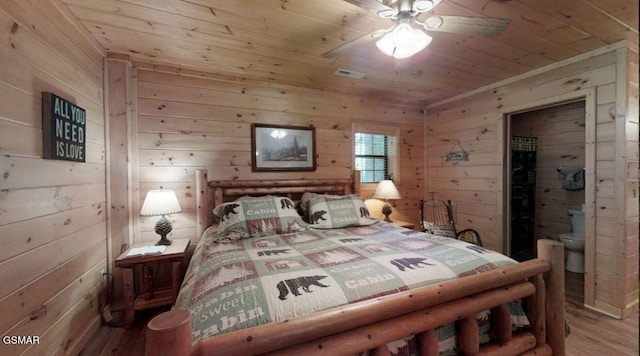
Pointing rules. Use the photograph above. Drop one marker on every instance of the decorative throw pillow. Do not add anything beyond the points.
(440, 230)
(306, 199)
(341, 211)
(262, 216)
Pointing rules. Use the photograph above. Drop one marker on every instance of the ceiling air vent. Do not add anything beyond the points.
(348, 73)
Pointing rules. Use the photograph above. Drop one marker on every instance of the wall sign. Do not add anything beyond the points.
(457, 156)
(461, 155)
(63, 129)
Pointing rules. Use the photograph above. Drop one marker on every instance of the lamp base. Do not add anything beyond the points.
(386, 211)
(164, 241)
(163, 228)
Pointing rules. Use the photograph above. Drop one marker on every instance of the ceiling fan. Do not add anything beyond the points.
(407, 35)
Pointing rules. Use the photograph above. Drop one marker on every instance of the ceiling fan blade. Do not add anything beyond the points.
(484, 26)
(358, 41)
(372, 5)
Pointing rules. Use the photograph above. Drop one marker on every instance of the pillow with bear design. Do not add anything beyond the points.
(331, 213)
(247, 218)
(307, 197)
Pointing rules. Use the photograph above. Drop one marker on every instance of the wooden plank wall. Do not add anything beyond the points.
(188, 120)
(632, 189)
(121, 133)
(52, 213)
(560, 143)
(476, 120)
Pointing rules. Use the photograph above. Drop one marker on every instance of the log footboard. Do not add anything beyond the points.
(371, 324)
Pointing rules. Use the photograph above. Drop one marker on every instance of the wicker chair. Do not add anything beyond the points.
(436, 217)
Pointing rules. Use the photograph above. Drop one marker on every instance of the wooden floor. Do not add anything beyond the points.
(120, 341)
(592, 334)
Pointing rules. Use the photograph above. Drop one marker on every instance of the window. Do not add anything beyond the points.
(374, 156)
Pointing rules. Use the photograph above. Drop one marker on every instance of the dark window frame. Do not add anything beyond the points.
(384, 157)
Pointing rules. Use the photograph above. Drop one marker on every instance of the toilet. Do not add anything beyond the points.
(574, 242)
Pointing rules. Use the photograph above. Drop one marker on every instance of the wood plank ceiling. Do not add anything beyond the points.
(281, 41)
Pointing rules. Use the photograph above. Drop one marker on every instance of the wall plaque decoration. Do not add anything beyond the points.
(461, 155)
(283, 148)
(63, 129)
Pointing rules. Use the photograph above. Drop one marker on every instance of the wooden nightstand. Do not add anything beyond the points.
(133, 297)
(401, 223)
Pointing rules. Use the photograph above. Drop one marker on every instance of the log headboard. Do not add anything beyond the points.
(212, 193)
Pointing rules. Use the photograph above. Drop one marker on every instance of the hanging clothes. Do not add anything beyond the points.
(572, 177)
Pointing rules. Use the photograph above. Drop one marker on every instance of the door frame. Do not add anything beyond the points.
(504, 199)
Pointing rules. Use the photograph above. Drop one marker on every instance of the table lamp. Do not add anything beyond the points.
(386, 190)
(161, 202)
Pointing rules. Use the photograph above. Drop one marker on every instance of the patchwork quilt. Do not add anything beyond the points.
(237, 284)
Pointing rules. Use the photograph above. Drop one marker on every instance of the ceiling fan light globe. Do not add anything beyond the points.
(403, 52)
(388, 13)
(408, 51)
(424, 5)
(433, 23)
(403, 42)
(386, 45)
(420, 40)
(402, 35)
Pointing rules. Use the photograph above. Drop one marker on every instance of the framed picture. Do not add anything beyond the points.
(283, 148)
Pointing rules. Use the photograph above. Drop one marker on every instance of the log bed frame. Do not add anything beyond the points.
(370, 324)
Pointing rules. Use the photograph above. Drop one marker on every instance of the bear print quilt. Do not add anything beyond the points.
(243, 283)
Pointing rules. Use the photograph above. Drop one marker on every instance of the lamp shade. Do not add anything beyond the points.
(160, 202)
(386, 190)
(403, 41)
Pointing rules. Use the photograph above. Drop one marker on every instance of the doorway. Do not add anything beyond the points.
(543, 144)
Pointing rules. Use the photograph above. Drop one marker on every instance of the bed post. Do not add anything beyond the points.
(202, 200)
(169, 334)
(538, 318)
(553, 251)
(356, 182)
